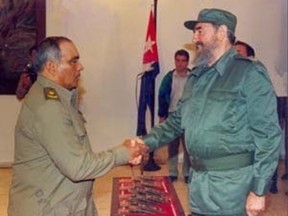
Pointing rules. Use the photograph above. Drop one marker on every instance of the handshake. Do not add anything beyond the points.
(137, 149)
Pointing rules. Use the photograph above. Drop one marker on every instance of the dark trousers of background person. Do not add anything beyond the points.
(282, 116)
(286, 138)
(282, 108)
(285, 176)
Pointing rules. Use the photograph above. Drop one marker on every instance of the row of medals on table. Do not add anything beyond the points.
(145, 196)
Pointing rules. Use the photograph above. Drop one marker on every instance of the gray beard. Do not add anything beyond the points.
(204, 55)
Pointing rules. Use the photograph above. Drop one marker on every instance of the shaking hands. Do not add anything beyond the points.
(137, 149)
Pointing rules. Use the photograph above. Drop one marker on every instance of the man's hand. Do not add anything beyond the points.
(255, 204)
(137, 149)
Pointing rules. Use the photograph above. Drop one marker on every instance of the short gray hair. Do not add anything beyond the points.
(48, 50)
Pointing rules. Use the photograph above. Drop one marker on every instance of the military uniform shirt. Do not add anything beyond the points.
(226, 109)
(54, 167)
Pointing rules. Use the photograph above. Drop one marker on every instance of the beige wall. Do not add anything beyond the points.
(110, 37)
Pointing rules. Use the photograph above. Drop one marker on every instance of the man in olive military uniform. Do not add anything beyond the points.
(54, 167)
(229, 116)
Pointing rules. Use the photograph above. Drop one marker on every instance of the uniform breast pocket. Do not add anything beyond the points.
(79, 127)
(81, 132)
(220, 109)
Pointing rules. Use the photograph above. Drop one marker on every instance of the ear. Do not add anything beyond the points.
(222, 32)
(50, 69)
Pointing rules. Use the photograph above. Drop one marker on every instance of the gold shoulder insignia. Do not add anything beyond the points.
(50, 93)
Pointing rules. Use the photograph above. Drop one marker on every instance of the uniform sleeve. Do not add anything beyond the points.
(263, 125)
(65, 140)
(164, 133)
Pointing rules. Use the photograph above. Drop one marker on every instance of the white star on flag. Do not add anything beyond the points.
(149, 45)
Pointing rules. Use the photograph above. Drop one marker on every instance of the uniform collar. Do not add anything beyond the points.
(220, 66)
(177, 74)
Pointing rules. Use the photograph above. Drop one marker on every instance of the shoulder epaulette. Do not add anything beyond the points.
(50, 94)
(240, 57)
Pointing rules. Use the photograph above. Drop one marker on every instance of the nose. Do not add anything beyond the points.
(195, 37)
(80, 67)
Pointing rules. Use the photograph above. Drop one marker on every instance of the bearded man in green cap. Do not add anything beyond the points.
(229, 118)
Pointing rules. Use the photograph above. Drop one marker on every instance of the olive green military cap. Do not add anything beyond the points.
(214, 16)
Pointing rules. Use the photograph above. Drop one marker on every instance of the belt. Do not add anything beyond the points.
(223, 163)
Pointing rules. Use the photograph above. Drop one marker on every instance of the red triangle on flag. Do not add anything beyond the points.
(150, 49)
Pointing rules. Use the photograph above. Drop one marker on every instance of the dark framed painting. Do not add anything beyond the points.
(22, 25)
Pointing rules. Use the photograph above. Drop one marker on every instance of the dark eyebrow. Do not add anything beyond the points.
(197, 28)
(74, 58)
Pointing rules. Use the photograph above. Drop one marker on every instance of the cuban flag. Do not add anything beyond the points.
(150, 70)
